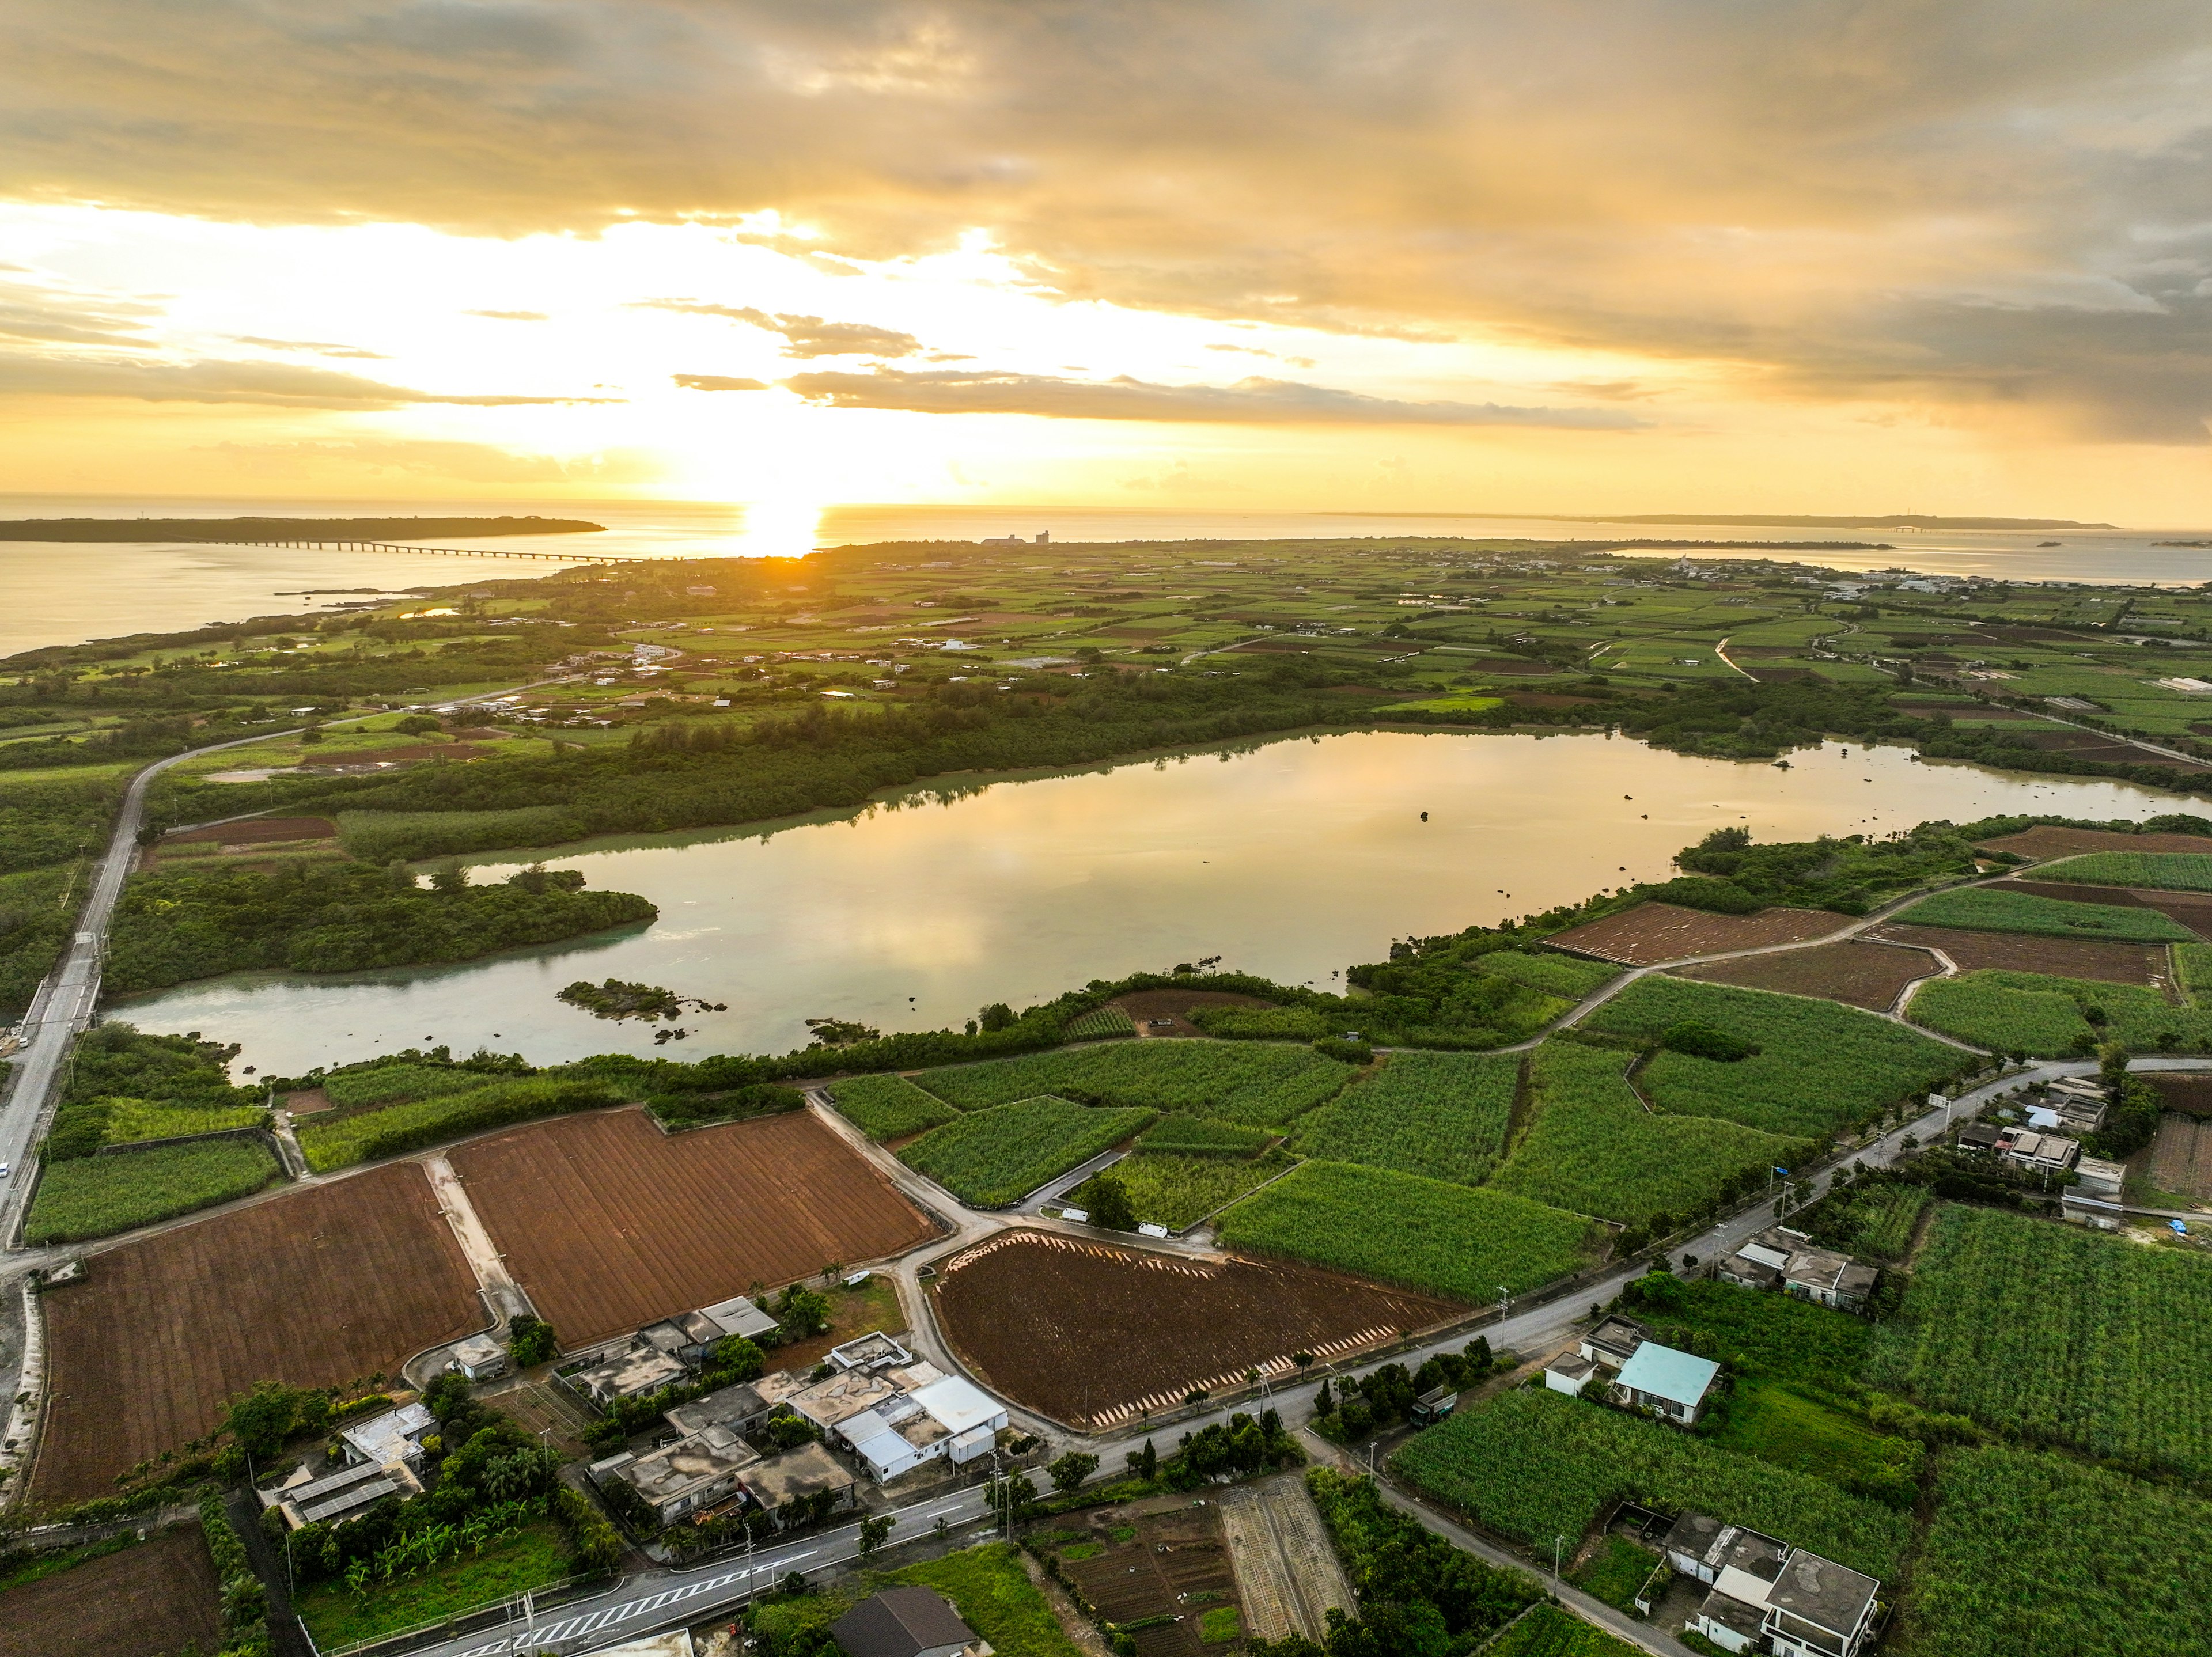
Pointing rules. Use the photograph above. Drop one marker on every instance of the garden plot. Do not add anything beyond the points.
(1145, 1007)
(1289, 1574)
(2190, 1095)
(2068, 957)
(1096, 1335)
(151, 1600)
(1173, 1573)
(2181, 1160)
(1652, 933)
(1857, 974)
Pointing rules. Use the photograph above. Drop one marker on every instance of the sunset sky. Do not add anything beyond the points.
(1581, 256)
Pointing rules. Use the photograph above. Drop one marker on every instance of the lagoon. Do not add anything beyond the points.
(1293, 858)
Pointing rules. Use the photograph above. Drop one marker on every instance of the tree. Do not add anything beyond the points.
(738, 1358)
(1324, 1401)
(997, 1017)
(1110, 1204)
(872, 1533)
(1146, 1463)
(531, 1340)
(1012, 1497)
(1071, 1470)
(262, 1419)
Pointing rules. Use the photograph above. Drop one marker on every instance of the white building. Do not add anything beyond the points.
(948, 1419)
(395, 1435)
(1767, 1595)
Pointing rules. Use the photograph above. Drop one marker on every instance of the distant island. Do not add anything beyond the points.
(283, 529)
(1895, 520)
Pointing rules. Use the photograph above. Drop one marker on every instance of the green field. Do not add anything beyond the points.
(1204, 1135)
(889, 1107)
(397, 1083)
(1820, 1067)
(336, 1616)
(1550, 1631)
(98, 1196)
(1441, 1115)
(2169, 872)
(329, 1143)
(1752, 1331)
(995, 1597)
(1260, 1085)
(1100, 1024)
(1592, 1147)
(130, 1120)
(991, 1157)
(2035, 1555)
(2060, 1336)
(2045, 1016)
(1178, 1192)
(1781, 1426)
(1532, 1464)
(1989, 909)
(1562, 975)
(1882, 1219)
(1401, 1227)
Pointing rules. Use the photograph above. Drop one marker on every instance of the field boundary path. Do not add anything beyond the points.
(502, 1296)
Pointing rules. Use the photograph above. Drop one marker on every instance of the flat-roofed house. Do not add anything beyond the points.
(685, 1478)
(2100, 1177)
(395, 1435)
(345, 1495)
(2039, 1153)
(740, 1407)
(1613, 1342)
(775, 1482)
(1671, 1383)
(479, 1357)
(1768, 1596)
(630, 1373)
(947, 1419)
(1779, 1257)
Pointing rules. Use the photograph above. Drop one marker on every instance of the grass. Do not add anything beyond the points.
(1987, 909)
(1615, 1572)
(130, 1120)
(1220, 1625)
(1783, 1427)
(1562, 975)
(990, 1158)
(1178, 1192)
(1202, 1136)
(2044, 1015)
(1440, 1114)
(99, 1196)
(995, 1597)
(2167, 871)
(1592, 1147)
(2033, 1555)
(392, 1084)
(1533, 1465)
(1821, 1067)
(889, 1107)
(1550, 1631)
(1259, 1084)
(1400, 1227)
(335, 1617)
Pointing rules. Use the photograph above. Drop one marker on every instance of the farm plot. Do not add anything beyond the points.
(1289, 1574)
(1820, 1066)
(316, 1287)
(2068, 957)
(2036, 1013)
(1548, 1631)
(1178, 1192)
(1562, 975)
(2181, 1160)
(1172, 1573)
(341, 1138)
(2159, 871)
(1144, 1007)
(1652, 933)
(2034, 1554)
(2049, 840)
(1400, 1227)
(1441, 1115)
(1593, 1148)
(396, 1083)
(151, 1600)
(2059, 1336)
(1533, 1465)
(1997, 909)
(608, 1224)
(1857, 974)
(91, 1197)
(889, 1107)
(1203, 1136)
(2190, 1095)
(1257, 1083)
(1094, 1335)
(990, 1158)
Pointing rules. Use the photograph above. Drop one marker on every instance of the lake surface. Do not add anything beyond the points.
(1293, 859)
(65, 592)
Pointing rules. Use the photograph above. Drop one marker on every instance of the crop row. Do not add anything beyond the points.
(1261, 1084)
(889, 1107)
(1993, 909)
(1177, 1191)
(991, 1157)
(1441, 1115)
(2044, 1015)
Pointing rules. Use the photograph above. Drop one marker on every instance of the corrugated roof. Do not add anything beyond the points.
(1678, 1377)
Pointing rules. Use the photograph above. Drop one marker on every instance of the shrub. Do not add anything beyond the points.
(1702, 1040)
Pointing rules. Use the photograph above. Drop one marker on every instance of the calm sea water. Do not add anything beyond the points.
(66, 593)
(1293, 859)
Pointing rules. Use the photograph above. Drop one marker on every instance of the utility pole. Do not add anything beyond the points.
(1558, 1542)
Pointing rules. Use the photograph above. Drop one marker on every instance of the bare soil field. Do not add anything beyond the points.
(1176, 1565)
(307, 1102)
(255, 831)
(1652, 932)
(152, 1600)
(2048, 841)
(2181, 1161)
(2190, 1095)
(1176, 1006)
(2018, 952)
(1092, 1335)
(2192, 909)
(608, 1224)
(1871, 975)
(1287, 1573)
(317, 1288)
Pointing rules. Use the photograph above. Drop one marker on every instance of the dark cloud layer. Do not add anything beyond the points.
(1985, 202)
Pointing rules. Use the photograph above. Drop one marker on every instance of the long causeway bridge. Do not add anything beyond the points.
(326, 545)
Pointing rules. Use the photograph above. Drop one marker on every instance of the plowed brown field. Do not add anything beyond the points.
(2190, 1095)
(1652, 932)
(608, 1224)
(2182, 1160)
(1091, 1335)
(1177, 1006)
(148, 1601)
(1859, 975)
(2047, 841)
(2017, 952)
(316, 1288)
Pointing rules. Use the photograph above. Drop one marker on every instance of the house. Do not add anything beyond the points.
(2039, 1153)
(871, 1353)
(2100, 1177)
(685, 1478)
(479, 1357)
(336, 1498)
(635, 1370)
(906, 1623)
(691, 1337)
(1768, 1596)
(846, 1395)
(1613, 1342)
(740, 1408)
(1569, 1373)
(1779, 1257)
(777, 1481)
(1980, 1136)
(947, 1419)
(395, 1435)
(1675, 1384)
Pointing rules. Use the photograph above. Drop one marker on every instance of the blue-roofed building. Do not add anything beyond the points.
(1659, 1378)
